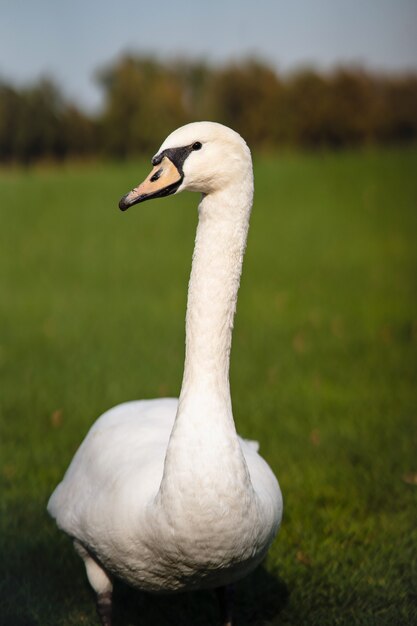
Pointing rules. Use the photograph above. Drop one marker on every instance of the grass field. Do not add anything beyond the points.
(323, 375)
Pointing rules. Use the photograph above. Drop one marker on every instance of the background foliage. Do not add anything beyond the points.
(144, 99)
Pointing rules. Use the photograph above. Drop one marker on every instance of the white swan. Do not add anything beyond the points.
(163, 493)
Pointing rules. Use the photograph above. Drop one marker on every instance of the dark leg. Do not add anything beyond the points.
(226, 597)
(100, 582)
(104, 607)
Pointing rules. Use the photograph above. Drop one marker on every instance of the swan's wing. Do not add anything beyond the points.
(264, 482)
(117, 468)
(250, 443)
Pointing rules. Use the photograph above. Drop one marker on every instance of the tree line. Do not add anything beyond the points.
(145, 99)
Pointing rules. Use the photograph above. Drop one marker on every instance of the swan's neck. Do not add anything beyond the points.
(212, 295)
(204, 445)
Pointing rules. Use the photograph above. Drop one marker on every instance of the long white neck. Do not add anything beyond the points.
(203, 442)
(212, 295)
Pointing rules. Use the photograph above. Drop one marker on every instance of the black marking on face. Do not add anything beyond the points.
(177, 155)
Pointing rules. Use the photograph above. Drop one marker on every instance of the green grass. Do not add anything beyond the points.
(323, 375)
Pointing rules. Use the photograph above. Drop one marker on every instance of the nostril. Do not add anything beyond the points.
(156, 175)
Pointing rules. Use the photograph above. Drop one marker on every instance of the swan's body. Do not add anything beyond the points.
(163, 493)
(202, 544)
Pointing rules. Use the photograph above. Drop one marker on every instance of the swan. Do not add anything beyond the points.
(163, 493)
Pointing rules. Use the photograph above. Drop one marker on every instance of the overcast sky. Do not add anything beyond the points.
(69, 40)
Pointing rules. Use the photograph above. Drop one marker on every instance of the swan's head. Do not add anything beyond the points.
(202, 156)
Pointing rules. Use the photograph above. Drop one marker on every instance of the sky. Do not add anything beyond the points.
(70, 41)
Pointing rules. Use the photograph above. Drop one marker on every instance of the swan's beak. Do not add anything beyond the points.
(162, 181)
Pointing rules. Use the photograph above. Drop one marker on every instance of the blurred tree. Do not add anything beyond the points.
(9, 105)
(144, 101)
(80, 133)
(193, 78)
(354, 108)
(37, 130)
(35, 123)
(306, 109)
(248, 97)
(399, 121)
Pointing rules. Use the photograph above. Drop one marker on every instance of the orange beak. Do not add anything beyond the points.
(163, 180)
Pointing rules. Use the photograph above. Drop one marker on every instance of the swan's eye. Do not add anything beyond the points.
(197, 145)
